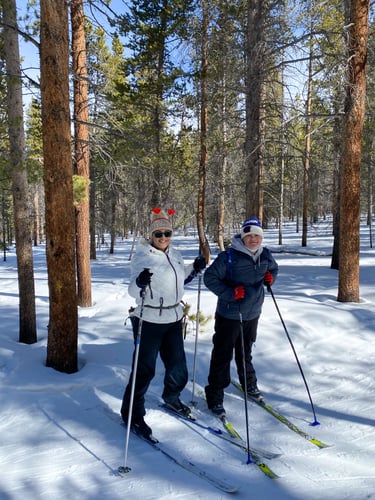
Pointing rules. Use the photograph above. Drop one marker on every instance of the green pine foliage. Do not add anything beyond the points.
(144, 83)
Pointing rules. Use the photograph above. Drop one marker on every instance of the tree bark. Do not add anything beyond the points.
(203, 137)
(255, 58)
(348, 287)
(307, 156)
(82, 152)
(58, 185)
(20, 187)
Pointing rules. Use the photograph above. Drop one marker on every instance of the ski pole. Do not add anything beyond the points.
(245, 389)
(295, 355)
(124, 468)
(196, 336)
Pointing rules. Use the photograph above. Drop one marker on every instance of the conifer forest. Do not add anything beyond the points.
(217, 109)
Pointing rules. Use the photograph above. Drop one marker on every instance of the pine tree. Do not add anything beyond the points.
(20, 188)
(58, 185)
(350, 192)
(82, 152)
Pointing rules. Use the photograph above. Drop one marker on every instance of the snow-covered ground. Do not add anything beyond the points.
(60, 434)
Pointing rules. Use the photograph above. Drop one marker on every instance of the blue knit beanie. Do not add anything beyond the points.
(251, 226)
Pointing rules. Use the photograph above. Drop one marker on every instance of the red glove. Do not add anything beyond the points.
(239, 292)
(268, 279)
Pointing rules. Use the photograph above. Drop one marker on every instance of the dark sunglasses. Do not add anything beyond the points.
(159, 234)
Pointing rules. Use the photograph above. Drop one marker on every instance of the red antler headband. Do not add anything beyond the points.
(157, 210)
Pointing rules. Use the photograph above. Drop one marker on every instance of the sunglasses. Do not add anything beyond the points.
(159, 234)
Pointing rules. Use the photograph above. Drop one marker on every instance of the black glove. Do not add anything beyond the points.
(199, 264)
(144, 278)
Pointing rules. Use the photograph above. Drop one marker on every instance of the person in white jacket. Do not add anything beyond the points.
(158, 275)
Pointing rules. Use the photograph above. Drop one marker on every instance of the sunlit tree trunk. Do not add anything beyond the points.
(58, 185)
(203, 135)
(307, 156)
(20, 187)
(82, 152)
(348, 287)
(92, 217)
(36, 216)
(223, 161)
(370, 195)
(255, 111)
(113, 222)
(337, 155)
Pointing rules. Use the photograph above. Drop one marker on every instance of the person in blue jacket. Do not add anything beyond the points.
(237, 276)
(157, 278)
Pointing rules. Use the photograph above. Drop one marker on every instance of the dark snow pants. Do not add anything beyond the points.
(156, 338)
(226, 339)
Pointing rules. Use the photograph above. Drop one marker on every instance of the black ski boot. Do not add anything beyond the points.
(179, 407)
(139, 426)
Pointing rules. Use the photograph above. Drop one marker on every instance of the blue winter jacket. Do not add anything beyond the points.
(236, 266)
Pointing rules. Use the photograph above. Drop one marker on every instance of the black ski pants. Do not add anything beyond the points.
(166, 339)
(226, 339)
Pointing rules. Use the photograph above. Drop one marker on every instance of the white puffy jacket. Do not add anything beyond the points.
(163, 297)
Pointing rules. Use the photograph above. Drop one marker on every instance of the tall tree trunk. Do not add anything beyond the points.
(261, 150)
(348, 287)
(223, 161)
(337, 155)
(282, 160)
(336, 193)
(20, 188)
(92, 217)
(223, 167)
(58, 185)
(156, 193)
(203, 136)
(113, 221)
(36, 215)
(370, 194)
(82, 152)
(255, 112)
(307, 156)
